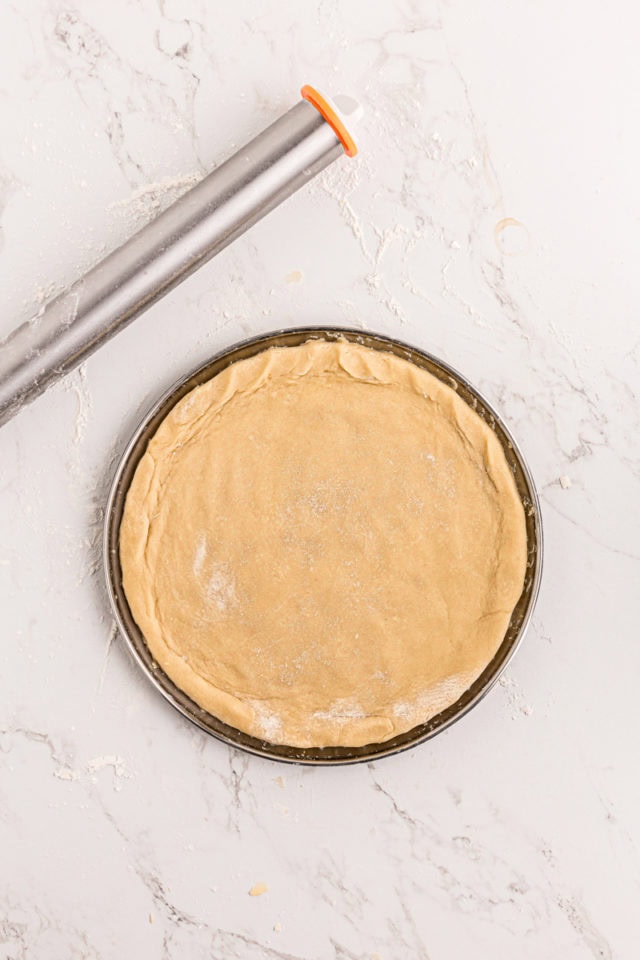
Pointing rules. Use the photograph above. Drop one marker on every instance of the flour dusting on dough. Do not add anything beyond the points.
(340, 711)
(268, 723)
(200, 554)
(221, 588)
(281, 577)
(432, 701)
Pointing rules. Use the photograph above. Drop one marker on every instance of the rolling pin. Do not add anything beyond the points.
(201, 223)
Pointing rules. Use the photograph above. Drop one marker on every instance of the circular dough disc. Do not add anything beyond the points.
(323, 545)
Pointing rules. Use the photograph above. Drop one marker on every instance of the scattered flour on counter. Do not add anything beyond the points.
(76, 381)
(93, 767)
(84, 403)
(66, 773)
(113, 633)
(339, 182)
(117, 764)
(515, 698)
(43, 295)
(142, 205)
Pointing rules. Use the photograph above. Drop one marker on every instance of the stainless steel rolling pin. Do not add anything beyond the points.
(202, 222)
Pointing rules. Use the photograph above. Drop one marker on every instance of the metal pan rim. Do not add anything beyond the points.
(134, 640)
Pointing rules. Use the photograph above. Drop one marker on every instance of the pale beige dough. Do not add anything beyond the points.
(323, 545)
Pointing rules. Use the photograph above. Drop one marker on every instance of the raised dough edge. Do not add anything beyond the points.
(314, 357)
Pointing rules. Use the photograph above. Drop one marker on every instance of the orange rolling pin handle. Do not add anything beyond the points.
(323, 107)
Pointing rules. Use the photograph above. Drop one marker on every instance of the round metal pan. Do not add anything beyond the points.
(326, 755)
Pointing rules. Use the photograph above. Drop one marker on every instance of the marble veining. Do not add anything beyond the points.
(490, 218)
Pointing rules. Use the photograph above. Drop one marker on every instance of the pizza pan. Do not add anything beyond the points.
(520, 618)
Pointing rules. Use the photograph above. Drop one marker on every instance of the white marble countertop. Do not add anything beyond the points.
(492, 217)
